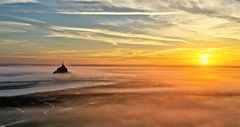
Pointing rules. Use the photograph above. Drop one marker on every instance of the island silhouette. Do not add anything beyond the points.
(61, 69)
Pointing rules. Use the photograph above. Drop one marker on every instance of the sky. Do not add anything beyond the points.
(161, 32)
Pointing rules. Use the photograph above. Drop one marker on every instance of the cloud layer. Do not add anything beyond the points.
(16, 1)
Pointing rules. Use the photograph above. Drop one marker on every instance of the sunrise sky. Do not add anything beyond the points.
(162, 32)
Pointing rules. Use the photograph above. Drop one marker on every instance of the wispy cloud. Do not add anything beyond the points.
(15, 24)
(13, 27)
(21, 20)
(16, 1)
(119, 13)
(110, 36)
(10, 42)
(115, 33)
(102, 38)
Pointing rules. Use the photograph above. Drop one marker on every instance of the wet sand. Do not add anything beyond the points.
(127, 104)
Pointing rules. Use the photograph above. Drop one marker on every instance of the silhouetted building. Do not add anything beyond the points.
(61, 69)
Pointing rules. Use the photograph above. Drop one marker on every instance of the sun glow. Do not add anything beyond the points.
(204, 59)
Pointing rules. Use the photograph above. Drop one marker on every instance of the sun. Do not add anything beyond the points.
(204, 59)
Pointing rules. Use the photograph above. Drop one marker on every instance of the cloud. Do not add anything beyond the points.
(215, 9)
(13, 27)
(192, 10)
(109, 36)
(15, 24)
(102, 38)
(199, 17)
(22, 20)
(115, 33)
(16, 1)
(118, 13)
(10, 42)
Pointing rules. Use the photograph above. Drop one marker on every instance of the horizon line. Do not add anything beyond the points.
(125, 65)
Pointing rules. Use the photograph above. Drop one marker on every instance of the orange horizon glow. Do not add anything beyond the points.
(170, 57)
